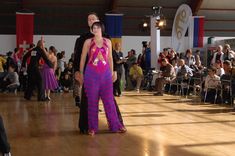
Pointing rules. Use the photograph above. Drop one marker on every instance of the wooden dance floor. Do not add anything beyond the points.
(157, 126)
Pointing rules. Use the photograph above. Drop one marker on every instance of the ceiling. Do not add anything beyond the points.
(63, 17)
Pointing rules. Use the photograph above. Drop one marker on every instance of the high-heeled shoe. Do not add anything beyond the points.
(48, 98)
(91, 132)
(122, 130)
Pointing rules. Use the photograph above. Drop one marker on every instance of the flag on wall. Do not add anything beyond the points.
(197, 31)
(113, 27)
(24, 30)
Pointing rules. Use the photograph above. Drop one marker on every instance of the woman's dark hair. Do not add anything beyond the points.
(188, 51)
(133, 51)
(144, 43)
(53, 49)
(9, 53)
(59, 56)
(15, 50)
(197, 51)
(98, 24)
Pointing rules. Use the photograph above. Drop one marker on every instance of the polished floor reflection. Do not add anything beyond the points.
(157, 126)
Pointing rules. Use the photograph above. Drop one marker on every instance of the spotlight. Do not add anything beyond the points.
(160, 23)
(145, 24)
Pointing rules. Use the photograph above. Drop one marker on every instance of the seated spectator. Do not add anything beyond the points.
(184, 73)
(172, 57)
(226, 79)
(198, 61)
(212, 82)
(167, 75)
(2, 63)
(71, 58)
(11, 80)
(162, 55)
(130, 59)
(136, 75)
(175, 66)
(9, 60)
(189, 58)
(66, 83)
(69, 69)
(219, 69)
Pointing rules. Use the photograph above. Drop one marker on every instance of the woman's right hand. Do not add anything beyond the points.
(79, 77)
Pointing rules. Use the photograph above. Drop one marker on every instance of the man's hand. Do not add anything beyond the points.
(114, 76)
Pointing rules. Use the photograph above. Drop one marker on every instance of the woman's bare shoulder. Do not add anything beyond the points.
(107, 40)
(87, 41)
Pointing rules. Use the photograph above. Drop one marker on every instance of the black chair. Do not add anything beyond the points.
(227, 91)
(148, 78)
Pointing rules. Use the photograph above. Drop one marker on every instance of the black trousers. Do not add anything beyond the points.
(34, 80)
(83, 115)
(4, 145)
(23, 81)
(117, 84)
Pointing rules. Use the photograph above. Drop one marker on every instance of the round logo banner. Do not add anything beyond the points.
(180, 26)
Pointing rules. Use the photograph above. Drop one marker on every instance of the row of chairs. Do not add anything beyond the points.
(224, 88)
(195, 84)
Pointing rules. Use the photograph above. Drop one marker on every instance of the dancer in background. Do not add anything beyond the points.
(34, 75)
(48, 73)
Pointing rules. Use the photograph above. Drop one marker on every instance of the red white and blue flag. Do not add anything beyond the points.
(196, 31)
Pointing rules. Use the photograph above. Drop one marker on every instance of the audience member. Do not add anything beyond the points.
(136, 75)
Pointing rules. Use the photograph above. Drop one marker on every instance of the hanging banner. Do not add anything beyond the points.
(180, 26)
(113, 27)
(24, 30)
(196, 32)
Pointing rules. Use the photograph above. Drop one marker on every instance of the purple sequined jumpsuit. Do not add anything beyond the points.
(98, 84)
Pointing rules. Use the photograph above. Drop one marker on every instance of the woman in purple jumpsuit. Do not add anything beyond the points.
(98, 80)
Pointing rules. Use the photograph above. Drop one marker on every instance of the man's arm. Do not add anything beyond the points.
(25, 57)
(77, 54)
